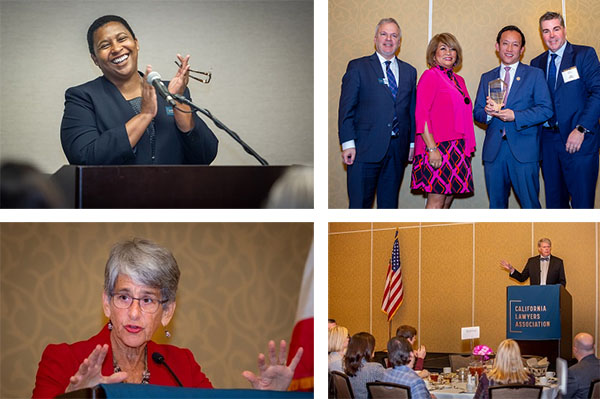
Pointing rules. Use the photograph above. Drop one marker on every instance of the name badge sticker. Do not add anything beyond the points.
(570, 74)
(169, 110)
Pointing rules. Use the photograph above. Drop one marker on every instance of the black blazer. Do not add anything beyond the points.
(556, 272)
(93, 131)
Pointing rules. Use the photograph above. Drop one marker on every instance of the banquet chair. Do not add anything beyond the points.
(458, 361)
(515, 391)
(384, 390)
(595, 389)
(341, 383)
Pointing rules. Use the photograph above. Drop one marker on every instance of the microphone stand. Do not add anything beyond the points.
(221, 126)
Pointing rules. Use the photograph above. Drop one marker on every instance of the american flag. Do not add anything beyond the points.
(393, 292)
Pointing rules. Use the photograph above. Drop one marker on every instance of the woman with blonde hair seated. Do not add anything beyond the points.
(338, 342)
(507, 369)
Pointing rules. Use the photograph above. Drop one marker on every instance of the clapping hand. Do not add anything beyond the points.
(178, 84)
(421, 352)
(90, 372)
(277, 376)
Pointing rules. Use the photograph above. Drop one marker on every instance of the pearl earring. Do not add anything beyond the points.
(110, 326)
(167, 333)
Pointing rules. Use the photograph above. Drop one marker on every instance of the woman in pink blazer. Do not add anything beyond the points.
(445, 139)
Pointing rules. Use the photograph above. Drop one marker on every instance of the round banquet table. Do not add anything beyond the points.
(457, 390)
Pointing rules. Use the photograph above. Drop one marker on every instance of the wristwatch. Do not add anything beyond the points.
(581, 129)
(432, 149)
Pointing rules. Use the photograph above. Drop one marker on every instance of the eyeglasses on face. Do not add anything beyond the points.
(148, 304)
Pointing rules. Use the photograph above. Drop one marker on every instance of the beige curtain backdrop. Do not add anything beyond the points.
(239, 288)
(260, 53)
(475, 23)
(452, 276)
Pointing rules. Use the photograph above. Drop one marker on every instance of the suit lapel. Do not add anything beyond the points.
(567, 61)
(516, 83)
(378, 70)
(544, 64)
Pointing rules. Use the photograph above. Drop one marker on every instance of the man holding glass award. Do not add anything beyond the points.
(512, 101)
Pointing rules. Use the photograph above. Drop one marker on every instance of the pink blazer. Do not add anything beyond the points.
(443, 108)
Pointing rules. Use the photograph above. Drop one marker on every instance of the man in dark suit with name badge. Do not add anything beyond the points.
(570, 139)
(377, 120)
(540, 270)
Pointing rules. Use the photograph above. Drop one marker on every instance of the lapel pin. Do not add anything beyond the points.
(518, 78)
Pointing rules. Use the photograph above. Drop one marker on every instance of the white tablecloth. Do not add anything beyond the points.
(457, 391)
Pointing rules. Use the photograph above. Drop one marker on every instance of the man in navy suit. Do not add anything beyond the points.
(570, 140)
(540, 270)
(511, 146)
(377, 120)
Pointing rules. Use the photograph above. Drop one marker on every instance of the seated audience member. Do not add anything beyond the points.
(293, 190)
(338, 342)
(587, 369)
(23, 186)
(507, 369)
(358, 366)
(402, 358)
(410, 333)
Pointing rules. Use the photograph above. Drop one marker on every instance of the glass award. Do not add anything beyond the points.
(497, 91)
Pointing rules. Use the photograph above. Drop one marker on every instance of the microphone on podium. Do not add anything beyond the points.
(160, 359)
(155, 80)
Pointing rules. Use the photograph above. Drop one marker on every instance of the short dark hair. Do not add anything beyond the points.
(406, 332)
(399, 350)
(513, 28)
(549, 15)
(101, 22)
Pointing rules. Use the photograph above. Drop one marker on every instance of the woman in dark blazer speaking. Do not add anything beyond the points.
(117, 118)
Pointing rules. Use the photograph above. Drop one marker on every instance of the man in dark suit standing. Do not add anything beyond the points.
(570, 140)
(511, 146)
(587, 369)
(377, 120)
(540, 270)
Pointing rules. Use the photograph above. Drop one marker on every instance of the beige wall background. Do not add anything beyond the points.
(475, 23)
(260, 53)
(452, 276)
(234, 296)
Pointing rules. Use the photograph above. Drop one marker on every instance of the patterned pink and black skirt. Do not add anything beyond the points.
(453, 177)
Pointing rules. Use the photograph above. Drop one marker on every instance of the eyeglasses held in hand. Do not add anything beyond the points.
(205, 80)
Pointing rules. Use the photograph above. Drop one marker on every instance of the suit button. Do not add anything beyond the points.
(389, 125)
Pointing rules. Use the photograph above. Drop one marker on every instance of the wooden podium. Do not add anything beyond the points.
(180, 186)
(539, 318)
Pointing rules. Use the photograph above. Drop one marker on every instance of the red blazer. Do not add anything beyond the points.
(60, 362)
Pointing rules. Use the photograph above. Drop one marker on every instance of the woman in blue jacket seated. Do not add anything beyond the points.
(117, 119)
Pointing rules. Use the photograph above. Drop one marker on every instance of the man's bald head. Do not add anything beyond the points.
(583, 345)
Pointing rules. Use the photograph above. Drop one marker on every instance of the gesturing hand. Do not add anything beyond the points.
(507, 265)
(90, 372)
(277, 376)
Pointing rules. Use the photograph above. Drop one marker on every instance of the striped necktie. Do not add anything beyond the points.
(394, 89)
(391, 79)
